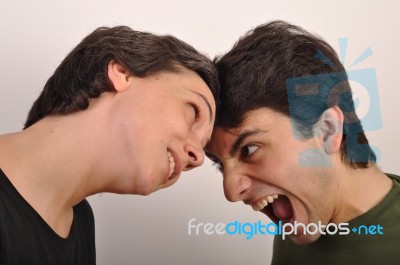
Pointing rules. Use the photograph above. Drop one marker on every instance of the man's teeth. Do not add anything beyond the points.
(260, 204)
(171, 164)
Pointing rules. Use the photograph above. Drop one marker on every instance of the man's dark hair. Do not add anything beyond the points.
(261, 67)
(83, 73)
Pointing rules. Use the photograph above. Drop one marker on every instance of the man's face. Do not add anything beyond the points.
(262, 162)
(161, 125)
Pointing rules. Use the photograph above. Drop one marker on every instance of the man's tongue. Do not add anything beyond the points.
(283, 208)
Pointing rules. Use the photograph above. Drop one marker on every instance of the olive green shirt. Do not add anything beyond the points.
(359, 246)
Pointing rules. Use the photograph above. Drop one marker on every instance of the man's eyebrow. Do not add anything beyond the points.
(242, 136)
(206, 101)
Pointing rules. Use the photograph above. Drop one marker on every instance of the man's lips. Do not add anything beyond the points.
(283, 209)
(268, 211)
(261, 203)
(280, 209)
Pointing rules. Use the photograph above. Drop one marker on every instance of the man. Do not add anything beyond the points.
(125, 112)
(289, 144)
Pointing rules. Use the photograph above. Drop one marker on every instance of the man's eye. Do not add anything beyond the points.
(249, 149)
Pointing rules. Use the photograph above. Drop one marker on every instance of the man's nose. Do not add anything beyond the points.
(236, 185)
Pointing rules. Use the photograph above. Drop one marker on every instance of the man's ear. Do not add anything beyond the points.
(332, 129)
(118, 75)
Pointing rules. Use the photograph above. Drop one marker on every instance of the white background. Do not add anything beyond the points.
(37, 35)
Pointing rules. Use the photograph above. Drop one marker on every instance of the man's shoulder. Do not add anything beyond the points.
(393, 176)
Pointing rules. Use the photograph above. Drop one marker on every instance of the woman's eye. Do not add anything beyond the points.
(249, 149)
(196, 111)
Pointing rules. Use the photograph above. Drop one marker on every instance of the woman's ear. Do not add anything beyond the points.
(118, 75)
(332, 129)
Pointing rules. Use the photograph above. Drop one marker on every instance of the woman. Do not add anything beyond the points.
(125, 112)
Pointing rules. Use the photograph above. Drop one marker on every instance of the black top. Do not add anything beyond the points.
(25, 238)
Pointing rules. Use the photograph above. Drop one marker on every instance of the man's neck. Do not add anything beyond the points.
(360, 190)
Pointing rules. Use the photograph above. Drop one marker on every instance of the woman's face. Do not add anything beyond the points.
(159, 127)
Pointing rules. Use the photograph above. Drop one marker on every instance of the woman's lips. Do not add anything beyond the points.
(175, 166)
(171, 160)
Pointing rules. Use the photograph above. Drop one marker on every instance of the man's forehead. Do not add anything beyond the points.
(229, 133)
(223, 139)
(223, 134)
(258, 119)
(255, 121)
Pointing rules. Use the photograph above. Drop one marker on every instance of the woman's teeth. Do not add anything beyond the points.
(260, 204)
(171, 164)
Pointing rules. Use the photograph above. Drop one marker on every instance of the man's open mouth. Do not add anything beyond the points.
(276, 207)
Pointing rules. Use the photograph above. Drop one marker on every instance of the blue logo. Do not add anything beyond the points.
(310, 96)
